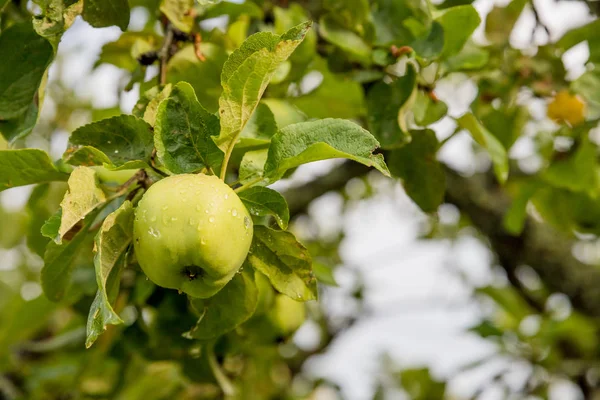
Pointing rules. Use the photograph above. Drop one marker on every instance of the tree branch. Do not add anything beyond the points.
(545, 250)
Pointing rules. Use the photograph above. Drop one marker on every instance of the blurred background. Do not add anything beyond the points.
(419, 297)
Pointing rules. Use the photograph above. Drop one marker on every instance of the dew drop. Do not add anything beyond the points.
(299, 297)
(211, 204)
(165, 208)
(226, 196)
(211, 219)
(153, 218)
(206, 211)
(192, 222)
(202, 241)
(154, 232)
(234, 212)
(109, 142)
(173, 219)
(229, 211)
(199, 227)
(116, 151)
(246, 223)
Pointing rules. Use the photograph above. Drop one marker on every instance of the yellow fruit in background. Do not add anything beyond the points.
(191, 233)
(566, 107)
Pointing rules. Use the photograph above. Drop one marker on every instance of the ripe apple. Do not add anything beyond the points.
(191, 233)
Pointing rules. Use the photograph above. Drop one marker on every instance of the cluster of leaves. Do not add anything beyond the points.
(252, 108)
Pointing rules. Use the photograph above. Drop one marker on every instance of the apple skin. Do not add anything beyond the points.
(287, 314)
(191, 233)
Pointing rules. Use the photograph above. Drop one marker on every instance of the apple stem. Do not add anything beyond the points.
(222, 379)
(248, 184)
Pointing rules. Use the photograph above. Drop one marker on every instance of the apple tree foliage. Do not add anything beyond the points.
(283, 84)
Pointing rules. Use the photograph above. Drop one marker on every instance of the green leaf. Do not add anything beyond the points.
(124, 51)
(588, 86)
(204, 76)
(262, 201)
(432, 45)
(56, 17)
(25, 56)
(344, 38)
(501, 20)
(21, 126)
(514, 219)
(41, 207)
(285, 261)
(26, 166)
(234, 10)
(311, 141)
(324, 274)
(578, 171)
(253, 165)
(123, 142)
(459, 23)
(51, 227)
(427, 111)
(110, 245)
(229, 308)
(574, 36)
(83, 197)
(568, 211)
(489, 142)
(471, 57)
(101, 13)
(179, 13)
(245, 76)
(391, 17)
(420, 385)
(59, 261)
(261, 126)
(183, 131)
(337, 96)
(385, 103)
(422, 175)
(152, 107)
(486, 329)
(287, 18)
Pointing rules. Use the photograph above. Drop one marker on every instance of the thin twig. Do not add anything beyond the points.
(165, 53)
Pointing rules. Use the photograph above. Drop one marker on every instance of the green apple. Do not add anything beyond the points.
(191, 233)
(287, 314)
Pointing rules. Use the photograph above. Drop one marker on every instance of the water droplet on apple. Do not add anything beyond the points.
(234, 212)
(246, 223)
(173, 219)
(202, 241)
(154, 232)
(211, 219)
(226, 196)
(165, 208)
(153, 218)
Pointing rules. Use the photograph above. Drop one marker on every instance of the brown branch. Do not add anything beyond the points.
(547, 252)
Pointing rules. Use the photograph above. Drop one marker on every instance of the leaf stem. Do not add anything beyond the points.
(222, 379)
(225, 162)
(248, 184)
